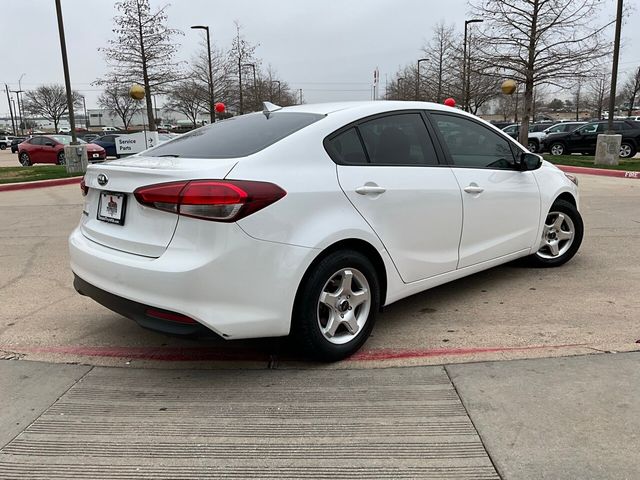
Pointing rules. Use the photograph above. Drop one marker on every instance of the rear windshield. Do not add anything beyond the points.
(235, 137)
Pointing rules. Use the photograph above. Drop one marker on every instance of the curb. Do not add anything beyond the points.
(599, 171)
(7, 187)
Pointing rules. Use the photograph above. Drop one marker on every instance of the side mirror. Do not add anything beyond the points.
(529, 161)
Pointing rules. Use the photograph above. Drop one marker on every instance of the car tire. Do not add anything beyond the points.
(561, 236)
(60, 159)
(533, 146)
(557, 149)
(327, 323)
(3, 146)
(24, 159)
(627, 150)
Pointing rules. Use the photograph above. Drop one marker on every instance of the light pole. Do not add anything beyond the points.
(255, 91)
(65, 67)
(279, 90)
(86, 118)
(466, 71)
(20, 119)
(614, 68)
(212, 103)
(418, 79)
(400, 79)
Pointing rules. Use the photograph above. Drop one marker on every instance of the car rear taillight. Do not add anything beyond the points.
(83, 187)
(218, 200)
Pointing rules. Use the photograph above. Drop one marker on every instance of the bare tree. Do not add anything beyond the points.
(116, 101)
(143, 50)
(50, 101)
(538, 42)
(631, 89)
(189, 98)
(242, 53)
(442, 70)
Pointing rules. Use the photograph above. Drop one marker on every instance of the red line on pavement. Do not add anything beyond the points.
(198, 354)
(599, 171)
(40, 184)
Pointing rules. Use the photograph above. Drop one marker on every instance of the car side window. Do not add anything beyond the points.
(347, 148)
(473, 145)
(400, 139)
(591, 128)
(107, 138)
(36, 141)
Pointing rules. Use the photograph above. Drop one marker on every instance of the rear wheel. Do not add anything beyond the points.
(533, 146)
(24, 159)
(627, 150)
(557, 149)
(3, 146)
(336, 306)
(561, 236)
(60, 159)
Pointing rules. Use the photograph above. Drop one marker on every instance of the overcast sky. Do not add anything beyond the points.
(328, 48)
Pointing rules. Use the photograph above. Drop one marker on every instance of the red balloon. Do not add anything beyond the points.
(220, 107)
(450, 102)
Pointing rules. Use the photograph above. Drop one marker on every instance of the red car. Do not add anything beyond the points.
(50, 149)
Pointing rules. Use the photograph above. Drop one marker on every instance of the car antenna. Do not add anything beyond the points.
(268, 108)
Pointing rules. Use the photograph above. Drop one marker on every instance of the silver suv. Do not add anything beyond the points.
(5, 141)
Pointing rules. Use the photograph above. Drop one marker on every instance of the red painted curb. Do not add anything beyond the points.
(39, 184)
(599, 171)
(199, 354)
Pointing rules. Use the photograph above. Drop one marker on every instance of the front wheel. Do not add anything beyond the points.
(336, 306)
(24, 159)
(3, 146)
(557, 149)
(561, 236)
(533, 146)
(627, 150)
(60, 159)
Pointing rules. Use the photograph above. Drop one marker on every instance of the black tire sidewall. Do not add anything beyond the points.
(305, 329)
(60, 160)
(20, 157)
(568, 209)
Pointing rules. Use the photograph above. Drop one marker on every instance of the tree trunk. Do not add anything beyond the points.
(523, 137)
(145, 75)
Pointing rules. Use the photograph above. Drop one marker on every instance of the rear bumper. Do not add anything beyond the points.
(135, 311)
(231, 283)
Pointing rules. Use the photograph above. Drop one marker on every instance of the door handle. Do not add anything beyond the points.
(473, 188)
(370, 190)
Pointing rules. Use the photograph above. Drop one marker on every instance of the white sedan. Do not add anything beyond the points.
(306, 220)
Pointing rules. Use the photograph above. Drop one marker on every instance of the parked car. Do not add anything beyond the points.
(585, 138)
(306, 220)
(64, 130)
(110, 129)
(88, 137)
(108, 142)
(534, 137)
(15, 142)
(5, 141)
(50, 149)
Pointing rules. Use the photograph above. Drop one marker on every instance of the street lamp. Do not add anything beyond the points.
(418, 79)
(465, 72)
(212, 103)
(86, 118)
(400, 79)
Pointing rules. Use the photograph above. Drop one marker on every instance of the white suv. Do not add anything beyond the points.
(5, 141)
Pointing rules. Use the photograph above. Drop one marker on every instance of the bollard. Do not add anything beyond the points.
(608, 149)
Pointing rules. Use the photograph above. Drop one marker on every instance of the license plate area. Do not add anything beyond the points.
(112, 207)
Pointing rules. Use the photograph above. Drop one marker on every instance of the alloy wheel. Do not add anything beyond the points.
(557, 149)
(344, 305)
(557, 235)
(625, 150)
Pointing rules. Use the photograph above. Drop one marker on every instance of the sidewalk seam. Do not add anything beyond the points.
(49, 407)
(495, 467)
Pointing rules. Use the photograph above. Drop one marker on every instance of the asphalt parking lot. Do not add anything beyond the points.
(589, 305)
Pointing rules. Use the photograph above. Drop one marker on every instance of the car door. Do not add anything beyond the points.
(583, 139)
(501, 205)
(36, 150)
(388, 168)
(49, 150)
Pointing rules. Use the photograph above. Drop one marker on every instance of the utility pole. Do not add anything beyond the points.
(300, 96)
(614, 68)
(65, 67)
(418, 79)
(13, 124)
(21, 124)
(86, 118)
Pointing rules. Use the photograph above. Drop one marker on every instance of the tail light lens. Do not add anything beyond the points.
(217, 200)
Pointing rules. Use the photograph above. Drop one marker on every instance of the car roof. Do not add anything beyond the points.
(366, 106)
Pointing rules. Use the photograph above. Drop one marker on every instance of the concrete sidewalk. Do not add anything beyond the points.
(573, 417)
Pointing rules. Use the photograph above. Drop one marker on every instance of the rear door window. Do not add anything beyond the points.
(347, 148)
(236, 137)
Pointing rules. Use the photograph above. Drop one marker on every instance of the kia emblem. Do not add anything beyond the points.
(102, 179)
